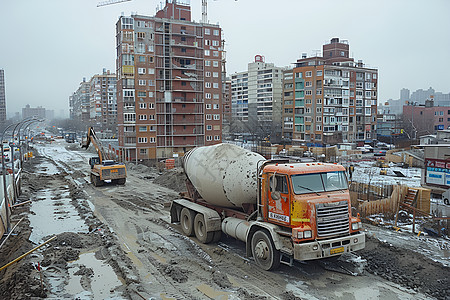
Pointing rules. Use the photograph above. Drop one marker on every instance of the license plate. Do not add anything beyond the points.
(114, 171)
(337, 250)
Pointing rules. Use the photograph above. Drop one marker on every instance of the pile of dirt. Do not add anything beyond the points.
(174, 179)
(407, 268)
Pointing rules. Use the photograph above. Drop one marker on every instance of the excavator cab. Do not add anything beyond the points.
(94, 161)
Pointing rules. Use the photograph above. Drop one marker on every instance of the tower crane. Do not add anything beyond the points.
(204, 7)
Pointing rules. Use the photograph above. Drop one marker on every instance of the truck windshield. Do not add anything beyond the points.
(319, 182)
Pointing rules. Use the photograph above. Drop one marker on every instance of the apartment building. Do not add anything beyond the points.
(2, 98)
(256, 97)
(169, 88)
(103, 101)
(335, 98)
(79, 102)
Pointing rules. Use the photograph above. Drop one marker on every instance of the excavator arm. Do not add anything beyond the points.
(92, 138)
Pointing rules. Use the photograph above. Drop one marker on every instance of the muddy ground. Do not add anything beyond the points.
(127, 228)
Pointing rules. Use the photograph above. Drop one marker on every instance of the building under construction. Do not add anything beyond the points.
(170, 83)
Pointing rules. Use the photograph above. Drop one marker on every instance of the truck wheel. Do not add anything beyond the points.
(446, 201)
(200, 230)
(264, 252)
(187, 221)
(217, 236)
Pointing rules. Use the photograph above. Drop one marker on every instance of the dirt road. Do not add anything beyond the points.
(117, 242)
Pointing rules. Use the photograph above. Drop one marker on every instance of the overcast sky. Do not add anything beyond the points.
(48, 46)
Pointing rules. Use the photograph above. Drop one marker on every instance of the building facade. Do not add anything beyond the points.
(2, 98)
(103, 101)
(169, 88)
(425, 119)
(28, 112)
(335, 98)
(79, 103)
(256, 97)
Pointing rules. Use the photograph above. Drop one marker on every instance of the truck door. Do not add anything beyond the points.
(279, 200)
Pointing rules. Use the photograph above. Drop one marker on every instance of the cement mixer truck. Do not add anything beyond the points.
(282, 211)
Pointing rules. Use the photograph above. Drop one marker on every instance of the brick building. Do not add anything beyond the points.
(103, 101)
(334, 98)
(169, 88)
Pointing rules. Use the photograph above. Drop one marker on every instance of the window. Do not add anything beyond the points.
(441, 120)
(319, 101)
(208, 74)
(208, 106)
(142, 140)
(152, 140)
(142, 128)
(142, 94)
(142, 82)
(151, 106)
(308, 73)
(208, 95)
(208, 127)
(208, 117)
(319, 73)
(151, 117)
(319, 127)
(209, 138)
(141, 71)
(152, 128)
(308, 92)
(215, 96)
(207, 43)
(207, 53)
(207, 85)
(216, 74)
(216, 117)
(342, 53)
(318, 92)
(141, 35)
(129, 117)
(318, 119)
(216, 53)
(215, 106)
(207, 31)
(215, 63)
(142, 59)
(143, 151)
(298, 75)
(215, 85)
(215, 43)
(151, 83)
(319, 109)
(142, 117)
(216, 32)
(441, 113)
(308, 83)
(207, 63)
(151, 71)
(142, 105)
(217, 138)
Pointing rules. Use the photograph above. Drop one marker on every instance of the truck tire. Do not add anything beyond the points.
(200, 230)
(264, 251)
(217, 236)
(446, 201)
(187, 221)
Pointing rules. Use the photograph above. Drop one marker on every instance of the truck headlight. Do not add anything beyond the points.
(299, 234)
(307, 234)
(356, 226)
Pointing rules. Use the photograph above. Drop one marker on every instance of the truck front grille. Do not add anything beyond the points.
(332, 219)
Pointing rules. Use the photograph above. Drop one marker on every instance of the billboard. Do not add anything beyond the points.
(437, 172)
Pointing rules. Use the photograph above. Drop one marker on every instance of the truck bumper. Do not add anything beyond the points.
(329, 248)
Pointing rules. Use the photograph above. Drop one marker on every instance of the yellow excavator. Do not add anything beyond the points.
(103, 168)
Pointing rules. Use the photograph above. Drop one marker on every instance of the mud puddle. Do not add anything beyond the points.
(47, 168)
(90, 278)
(52, 213)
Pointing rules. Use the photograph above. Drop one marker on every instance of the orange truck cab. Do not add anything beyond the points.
(311, 201)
